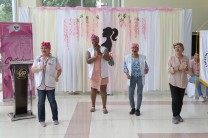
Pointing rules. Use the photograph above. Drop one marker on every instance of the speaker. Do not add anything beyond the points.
(195, 43)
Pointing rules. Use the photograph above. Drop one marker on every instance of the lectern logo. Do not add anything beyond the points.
(16, 27)
(21, 73)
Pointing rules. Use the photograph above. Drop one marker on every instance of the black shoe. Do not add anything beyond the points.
(132, 111)
(137, 112)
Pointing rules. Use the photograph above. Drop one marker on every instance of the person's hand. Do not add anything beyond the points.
(128, 76)
(104, 54)
(95, 54)
(146, 70)
(188, 72)
(56, 79)
(98, 50)
(183, 67)
(42, 67)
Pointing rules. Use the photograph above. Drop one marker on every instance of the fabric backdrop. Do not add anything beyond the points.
(69, 31)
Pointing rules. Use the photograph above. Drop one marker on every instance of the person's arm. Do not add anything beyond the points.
(146, 70)
(126, 71)
(90, 59)
(106, 55)
(58, 74)
(189, 72)
(191, 64)
(59, 70)
(36, 68)
(172, 69)
(189, 69)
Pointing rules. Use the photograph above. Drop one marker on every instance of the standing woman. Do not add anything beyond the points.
(178, 68)
(97, 58)
(47, 71)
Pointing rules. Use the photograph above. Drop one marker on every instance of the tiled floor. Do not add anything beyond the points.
(76, 121)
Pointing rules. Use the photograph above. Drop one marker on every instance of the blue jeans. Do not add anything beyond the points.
(41, 104)
(195, 79)
(133, 82)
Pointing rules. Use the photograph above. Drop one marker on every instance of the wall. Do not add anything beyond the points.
(199, 9)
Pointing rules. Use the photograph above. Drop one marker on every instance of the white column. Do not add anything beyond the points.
(82, 3)
(113, 3)
(122, 3)
(14, 10)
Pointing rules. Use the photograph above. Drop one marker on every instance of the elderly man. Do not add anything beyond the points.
(135, 68)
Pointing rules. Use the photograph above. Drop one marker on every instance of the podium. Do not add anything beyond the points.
(21, 84)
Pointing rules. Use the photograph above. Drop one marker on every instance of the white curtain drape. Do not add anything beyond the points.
(44, 29)
(23, 14)
(150, 46)
(69, 30)
(68, 50)
(187, 35)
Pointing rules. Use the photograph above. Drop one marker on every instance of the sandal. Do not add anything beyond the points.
(105, 111)
(92, 109)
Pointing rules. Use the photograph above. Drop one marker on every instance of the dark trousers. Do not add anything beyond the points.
(41, 104)
(177, 95)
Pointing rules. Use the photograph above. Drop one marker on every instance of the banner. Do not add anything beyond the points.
(16, 45)
(203, 53)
